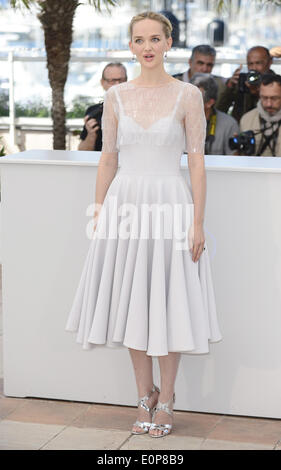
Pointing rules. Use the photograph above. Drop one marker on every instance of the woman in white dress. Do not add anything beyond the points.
(143, 289)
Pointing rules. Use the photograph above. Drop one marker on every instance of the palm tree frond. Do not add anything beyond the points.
(56, 18)
(107, 3)
(97, 4)
(20, 3)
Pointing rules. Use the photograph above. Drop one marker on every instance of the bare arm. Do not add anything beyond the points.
(195, 126)
(197, 173)
(108, 163)
(107, 169)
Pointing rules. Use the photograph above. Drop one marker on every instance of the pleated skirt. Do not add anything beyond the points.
(139, 287)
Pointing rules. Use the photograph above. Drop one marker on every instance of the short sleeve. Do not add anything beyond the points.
(109, 122)
(194, 120)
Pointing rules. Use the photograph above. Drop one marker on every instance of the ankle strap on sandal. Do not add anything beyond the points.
(166, 406)
(142, 400)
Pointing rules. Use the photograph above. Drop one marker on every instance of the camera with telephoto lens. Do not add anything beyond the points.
(252, 78)
(244, 142)
(96, 114)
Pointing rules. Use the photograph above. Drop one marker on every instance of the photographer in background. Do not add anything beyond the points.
(220, 126)
(91, 135)
(242, 89)
(202, 60)
(265, 120)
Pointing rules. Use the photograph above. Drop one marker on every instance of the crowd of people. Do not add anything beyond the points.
(243, 112)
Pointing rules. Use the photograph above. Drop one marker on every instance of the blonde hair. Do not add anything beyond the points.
(151, 15)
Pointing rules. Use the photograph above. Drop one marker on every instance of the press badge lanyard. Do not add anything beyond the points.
(211, 132)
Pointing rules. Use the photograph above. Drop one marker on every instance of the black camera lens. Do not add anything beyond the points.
(244, 142)
(253, 77)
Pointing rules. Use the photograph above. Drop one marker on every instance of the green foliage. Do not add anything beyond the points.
(108, 3)
(20, 3)
(97, 4)
(78, 107)
(225, 5)
(32, 108)
(36, 108)
(4, 104)
(2, 149)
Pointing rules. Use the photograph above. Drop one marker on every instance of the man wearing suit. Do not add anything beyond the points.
(202, 60)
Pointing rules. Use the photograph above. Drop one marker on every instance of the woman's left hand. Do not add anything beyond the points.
(196, 241)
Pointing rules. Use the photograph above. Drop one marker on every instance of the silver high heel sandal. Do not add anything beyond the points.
(164, 428)
(142, 402)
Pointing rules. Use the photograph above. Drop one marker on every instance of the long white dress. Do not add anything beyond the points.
(139, 287)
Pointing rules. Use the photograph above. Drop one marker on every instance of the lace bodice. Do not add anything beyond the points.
(164, 115)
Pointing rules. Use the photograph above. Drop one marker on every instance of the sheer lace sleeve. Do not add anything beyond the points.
(109, 123)
(194, 121)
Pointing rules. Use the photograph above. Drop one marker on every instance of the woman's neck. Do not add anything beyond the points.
(153, 77)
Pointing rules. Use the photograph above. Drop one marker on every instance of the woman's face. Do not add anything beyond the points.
(149, 42)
